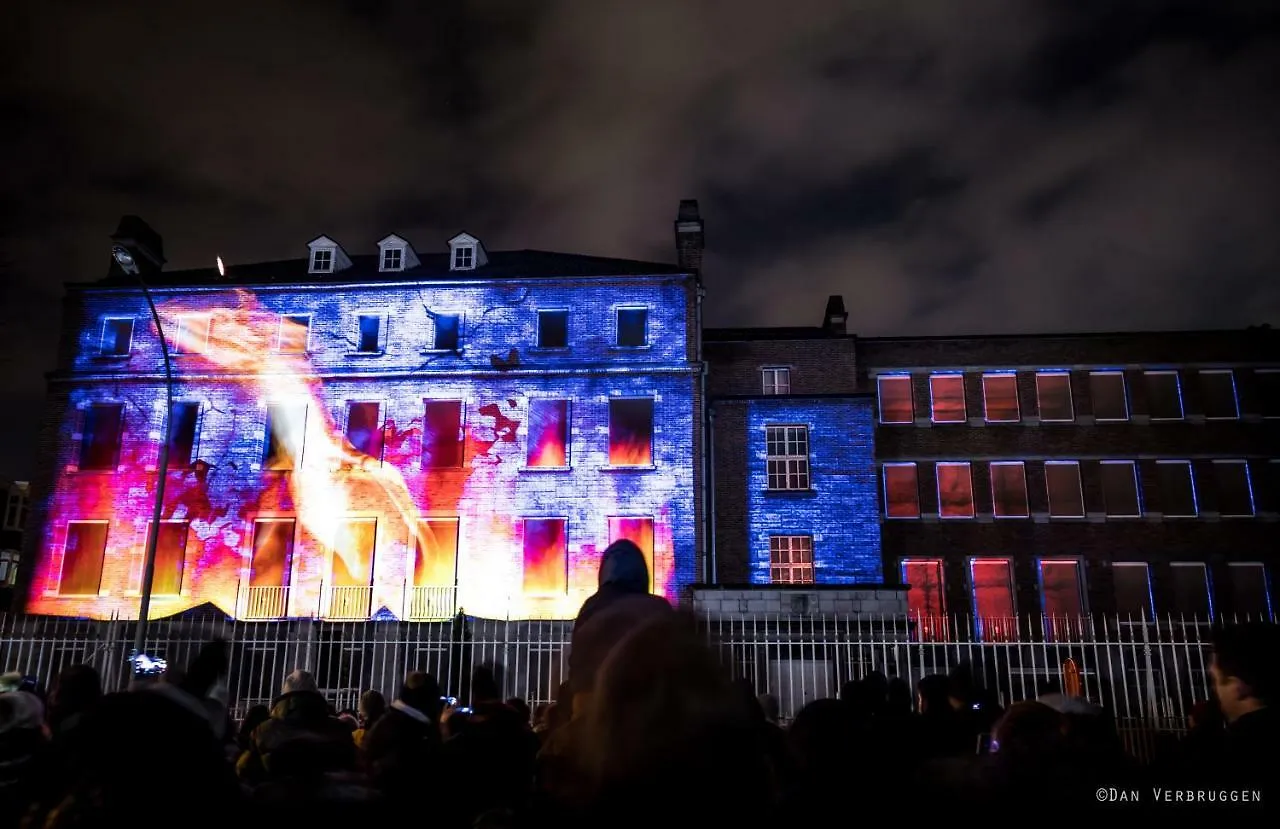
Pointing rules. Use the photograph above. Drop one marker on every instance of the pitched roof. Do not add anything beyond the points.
(515, 264)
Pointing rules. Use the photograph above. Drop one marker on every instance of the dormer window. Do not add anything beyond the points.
(396, 254)
(327, 256)
(393, 259)
(322, 261)
(466, 253)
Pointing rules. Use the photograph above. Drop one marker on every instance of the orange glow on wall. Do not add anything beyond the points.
(630, 432)
(548, 433)
(545, 556)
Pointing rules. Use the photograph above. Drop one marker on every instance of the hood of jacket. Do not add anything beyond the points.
(623, 568)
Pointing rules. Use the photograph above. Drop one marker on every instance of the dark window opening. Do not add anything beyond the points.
(1235, 495)
(82, 558)
(182, 434)
(1218, 392)
(1009, 490)
(1191, 591)
(1249, 597)
(442, 437)
(295, 333)
(631, 432)
(447, 327)
(1268, 384)
(100, 436)
(1164, 395)
(1177, 489)
(1132, 586)
(1109, 400)
(1120, 489)
(1062, 482)
(364, 429)
(117, 336)
(1053, 397)
(633, 326)
(370, 333)
(553, 329)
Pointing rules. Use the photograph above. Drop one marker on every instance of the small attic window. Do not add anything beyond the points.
(322, 260)
(393, 259)
(464, 257)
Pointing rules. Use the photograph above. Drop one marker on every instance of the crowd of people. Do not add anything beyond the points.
(648, 730)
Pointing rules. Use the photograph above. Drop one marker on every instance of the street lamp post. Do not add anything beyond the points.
(162, 465)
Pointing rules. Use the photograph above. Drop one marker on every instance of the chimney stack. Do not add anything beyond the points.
(136, 248)
(836, 321)
(689, 237)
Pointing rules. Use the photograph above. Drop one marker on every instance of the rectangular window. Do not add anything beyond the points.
(1191, 591)
(364, 429)
(392, 259)
(1120, 489)
(896, 403)
(955, 490)
(285, 432)
(1268, 384)
(1249, 596)
(946, 391)
(545, 556)
(993, 608)
(1235, 493)
(553, 329)
(354, 543)
(548, 439)
(1218, 394)
(447, 332)
(295, 333)
(435, 561)
(901, 491)
(1053, 397)
(633, 327)
(117, 336)
(926, 602)
(1000, 398)
(1164, 395)
(1109, 400)
(787, 457)
(464, 258)
(638, 531)
(171, 558)
(631, 431)
(442, 434)
(82, 558)
(791, 559)
(321, 260)
(1062, 482)
(1131, 582)
(193, 334)
(1177, 489)
(100, 437)
(269, 569)
(370, 333)
(776, 379)
(1009, 489)
(1060, 589)
(182, 434)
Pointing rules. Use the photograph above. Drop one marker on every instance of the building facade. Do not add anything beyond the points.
(16, 495)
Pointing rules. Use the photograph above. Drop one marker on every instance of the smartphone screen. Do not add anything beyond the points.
(986, 745)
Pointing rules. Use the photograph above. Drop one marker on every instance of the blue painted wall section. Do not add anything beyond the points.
(841, 510)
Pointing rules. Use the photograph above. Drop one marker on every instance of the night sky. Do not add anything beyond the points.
(950, 166)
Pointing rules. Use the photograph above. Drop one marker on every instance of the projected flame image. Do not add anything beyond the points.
(436, 481)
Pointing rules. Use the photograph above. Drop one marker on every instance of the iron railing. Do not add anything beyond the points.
(343, 603)
(1148, 674)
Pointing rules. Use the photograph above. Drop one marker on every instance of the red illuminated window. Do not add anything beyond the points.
(351, 568)
(1132, 585)
(82, 558)
(786, 457)
(955, 490)
(639, 531)
(1235, 492)
(545, 556)
(1009, 489)
(947, 393)
(193, 334)
(1000, 398)
(1120, 489)
(926, 601)
(896, 404)
(1061, 597)
(364, 428)
(295, 333)
(1062, 482)
(548, 439)
(171, 558)
(993, 607)
(1164, 395)
(901, 491)
(285, 433)
(1218, 394)
(631, 431)
(1109, 399)
(442, 437)
(182, 434)
(791, 559)
(100, 436)
(1053, 397)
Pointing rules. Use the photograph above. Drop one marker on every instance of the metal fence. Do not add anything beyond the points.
(1148, 674)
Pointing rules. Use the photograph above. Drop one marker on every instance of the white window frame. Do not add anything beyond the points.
(10, 561)
(1270, 371)
(463, 257)
(1124, 396)
(795, 467)
(537, 330)
(382, 318)
(306, 345)
(180, 341)
(1017, 404)
(1248, 484)
(1235, 392)
(384, 263)
(1048, 497)
(1177, 387)
(326, 255)
(995, 512)
(884, 483)
(964, 417)
(910, 396)
(937, 483)
(617, 325)
(1137, 489)
(1071, 401)
(1203, 566)
(791, 544)
(1191, 478)
(102, 339)
(776, 374)
(1146, 580)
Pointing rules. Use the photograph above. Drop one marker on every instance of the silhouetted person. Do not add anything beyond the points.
(75, 692)
(26, 771)
(254, 717)
(401, 751)
(1246, 660)
(301, 738)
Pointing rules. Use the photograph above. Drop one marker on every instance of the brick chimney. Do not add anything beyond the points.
(836, 319)
(689, 237)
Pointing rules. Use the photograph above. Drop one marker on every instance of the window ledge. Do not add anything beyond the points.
(646, 468)
(544, 470)
(112, 358)
(356, 353)
(808, 491)
(645, 347)
(439, 351)
(549, 349)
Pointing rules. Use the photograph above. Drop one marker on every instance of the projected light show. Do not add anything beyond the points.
(335, 453)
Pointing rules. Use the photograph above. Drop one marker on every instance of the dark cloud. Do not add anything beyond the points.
(991, 165)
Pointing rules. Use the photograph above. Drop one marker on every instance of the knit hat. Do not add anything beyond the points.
(299, 680)
(19, 711)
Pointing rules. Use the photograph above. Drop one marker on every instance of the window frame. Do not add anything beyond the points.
(563, 521)
(1270, 372)
(435, 332)
(306, 343)
(775, 372)
(1071, 401)
(62, 565)
(1265, 577)
(381, 429)
(1048, 493)
(1220, 463)
(1206, 577)
(986, 405)
(183, 576)
(1137, 489)
(792, 567)
(267, 431)
(1002, 631)
(804, 470)
(964, 403)
(328, 254)
(102, 339)
(937, 481)
(530, 402)
(1026, 495)
(617, 326)
(542, 313)
(461, 252)
(1177, 389)
(1124, 396)
(1148, 592)
(460, 440)
(83, 413)
(1191, 478)
(1235, 393)
(653, 431)
(884, 483)
(910, 381)
(180, 340)
(195, 435)
(385, 266)
(380, 347)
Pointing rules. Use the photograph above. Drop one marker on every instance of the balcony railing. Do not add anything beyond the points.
(264, 602)
(430, 602)
(348, 603)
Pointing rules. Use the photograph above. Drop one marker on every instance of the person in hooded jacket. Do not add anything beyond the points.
(300, 733)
